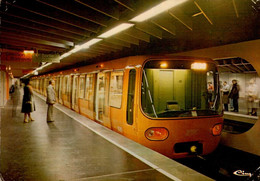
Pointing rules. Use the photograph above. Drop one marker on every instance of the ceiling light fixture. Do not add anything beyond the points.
(65, 55)
(28, 52)
(164, 6)
(80, 47)
(116, 30)
(90, 42)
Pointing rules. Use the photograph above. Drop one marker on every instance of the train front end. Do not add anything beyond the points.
(180, 109)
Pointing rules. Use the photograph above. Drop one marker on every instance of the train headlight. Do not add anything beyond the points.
(216, 130)
(156, 134)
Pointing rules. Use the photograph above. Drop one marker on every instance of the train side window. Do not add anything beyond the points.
(130, 97)
(60, 87)
(65, 85)
(116, 89)
(81, 86)
(89, 88)
(57, 85)
(69, 85)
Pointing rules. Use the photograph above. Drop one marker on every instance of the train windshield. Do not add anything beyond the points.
(180, 88)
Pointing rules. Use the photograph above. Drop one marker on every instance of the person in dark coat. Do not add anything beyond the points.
(234, 95)
(28, 105)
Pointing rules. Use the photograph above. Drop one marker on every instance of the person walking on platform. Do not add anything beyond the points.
(51, 99)
(28, 104)
(234, 95)
(15, 96)
(252, 98)
(225, 99)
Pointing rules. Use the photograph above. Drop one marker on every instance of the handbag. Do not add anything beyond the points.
(28, 103)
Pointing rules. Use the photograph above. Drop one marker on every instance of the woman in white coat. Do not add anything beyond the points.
(51, 99)
(252, 98)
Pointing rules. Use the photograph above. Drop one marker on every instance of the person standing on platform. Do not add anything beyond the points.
(51, 99)
(225, 99)
(28, 104)
(252, 98)
(234, 95)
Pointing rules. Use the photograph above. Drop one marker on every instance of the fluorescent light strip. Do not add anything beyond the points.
(75, 49)
(80, 47)
(90, 42)
(116, 30)
(28, 51)
(164, 6)
(65, 55)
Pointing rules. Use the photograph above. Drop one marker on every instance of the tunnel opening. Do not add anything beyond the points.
(239, 94)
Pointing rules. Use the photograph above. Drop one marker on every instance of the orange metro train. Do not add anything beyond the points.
(161, 102)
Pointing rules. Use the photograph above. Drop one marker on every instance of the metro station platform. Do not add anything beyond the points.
(76, 148)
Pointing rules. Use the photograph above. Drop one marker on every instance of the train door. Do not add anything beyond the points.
(67, 91)
(101, 96)
(82, 103)
(57, 83)
(42, 86)
(60, 90)
(46, 83)
(130, 126)
(64, 90)
(106, 113)
(90, 95)
(70, 86)
(130, 97)
(74, 101)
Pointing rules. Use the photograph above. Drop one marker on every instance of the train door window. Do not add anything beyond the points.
(100, 96)
(70, 84)
(43, 80)
(131, 96)
(40, 85)
(57, 86)
(116, 89)
(89, 91)
(65, 85)
(75, 91)
(60, 86)
(89, 88)
(106, 101)
(81, 86)
(46, 80)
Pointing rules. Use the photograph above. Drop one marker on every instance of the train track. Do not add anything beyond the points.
(226, 164)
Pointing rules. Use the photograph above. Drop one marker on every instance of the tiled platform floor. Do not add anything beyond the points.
(67, 150)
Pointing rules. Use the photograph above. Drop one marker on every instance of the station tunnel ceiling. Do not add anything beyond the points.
(235, 65)
(56, 27)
